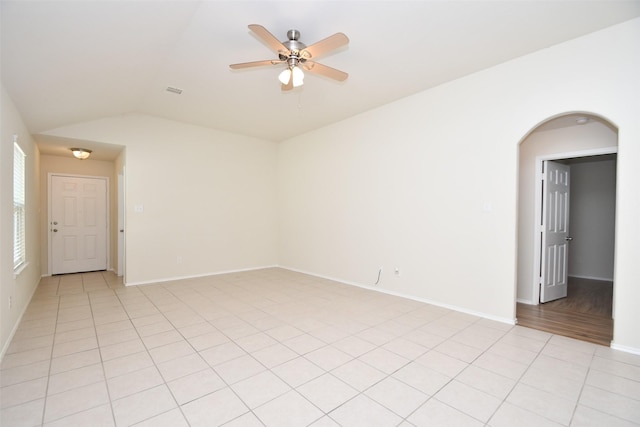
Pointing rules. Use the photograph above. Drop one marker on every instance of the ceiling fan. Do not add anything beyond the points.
(296, 55)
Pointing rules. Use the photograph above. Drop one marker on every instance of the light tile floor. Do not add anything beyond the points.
(277, 348)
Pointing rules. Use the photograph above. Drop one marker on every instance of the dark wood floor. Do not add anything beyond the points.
(585, 313)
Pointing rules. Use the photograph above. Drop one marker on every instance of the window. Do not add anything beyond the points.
(19, 214)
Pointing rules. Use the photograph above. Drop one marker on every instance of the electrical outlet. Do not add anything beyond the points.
(396, 271)
(179, 260)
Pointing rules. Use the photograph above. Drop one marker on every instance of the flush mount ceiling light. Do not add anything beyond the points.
(81, 153)
(297, 56)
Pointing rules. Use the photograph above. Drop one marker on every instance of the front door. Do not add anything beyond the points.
(78, 224)
(555, 231)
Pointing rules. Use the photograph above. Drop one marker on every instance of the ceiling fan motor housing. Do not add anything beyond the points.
(294, 46)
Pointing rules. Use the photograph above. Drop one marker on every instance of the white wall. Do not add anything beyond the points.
(592, 219)
(208, 197)
(429, 183)
(72, 166)
(590, 137)
(20, 288)
(403, 186)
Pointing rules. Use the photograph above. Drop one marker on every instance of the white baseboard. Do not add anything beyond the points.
(407, 296)
(626, 349)
(6, 345)
(525, 301)
(216, 273)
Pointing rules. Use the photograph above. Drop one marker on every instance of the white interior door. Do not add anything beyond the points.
(78, 224)
(555, 231)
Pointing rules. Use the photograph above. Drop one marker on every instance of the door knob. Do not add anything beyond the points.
(55, 230)
(568, 239)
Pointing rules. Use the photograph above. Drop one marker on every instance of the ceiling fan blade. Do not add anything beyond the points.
(288, 86)
(326, 71)
(323, 46)
(254, 64)
(269, 38)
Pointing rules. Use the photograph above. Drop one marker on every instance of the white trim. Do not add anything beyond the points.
(580, 153)
(107, 214)
(535, 294)
(20, 269)
(359, 285)
(525, 301)
(407, 296)
(17, 324)
(626, 349)
(19, 200)
(217, 273)
(121, 224)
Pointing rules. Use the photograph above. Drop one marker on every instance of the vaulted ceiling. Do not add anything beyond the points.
(65, 62)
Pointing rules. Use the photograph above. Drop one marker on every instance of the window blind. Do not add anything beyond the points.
(19, 206)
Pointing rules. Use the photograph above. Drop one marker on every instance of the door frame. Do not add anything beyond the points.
(537, 241)
(50, 175)
(121, 224)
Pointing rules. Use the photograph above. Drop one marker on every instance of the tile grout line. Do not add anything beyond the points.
(104, 374)
(46, 392)
(237, 292)
(155, 365)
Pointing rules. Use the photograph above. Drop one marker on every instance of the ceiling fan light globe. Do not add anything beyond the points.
(285, 76)
(298, 76)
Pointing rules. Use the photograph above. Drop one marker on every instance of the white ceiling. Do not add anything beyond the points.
(65, 62)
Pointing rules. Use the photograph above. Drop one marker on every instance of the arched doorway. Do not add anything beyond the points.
(588, 144)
